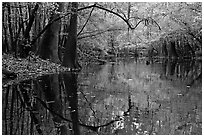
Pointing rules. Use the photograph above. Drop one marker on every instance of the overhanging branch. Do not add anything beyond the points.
(85, 22)
(92, 34)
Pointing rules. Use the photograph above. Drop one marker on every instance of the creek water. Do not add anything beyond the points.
(127, 96)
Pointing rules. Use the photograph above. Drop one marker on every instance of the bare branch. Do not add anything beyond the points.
(156, 23)
(86, 22)
(97, 33)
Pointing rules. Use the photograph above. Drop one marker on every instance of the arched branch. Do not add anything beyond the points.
(115, 13)
(124, 19)
(139, 22)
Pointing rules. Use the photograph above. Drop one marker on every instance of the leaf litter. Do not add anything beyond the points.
(28, 68)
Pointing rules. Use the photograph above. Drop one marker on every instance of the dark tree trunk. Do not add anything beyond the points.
(25, 48)
(31, 20)
(21, 18)
(10, 27)
(128, 15)
(172, 50)
(4, 32)
(164, 49)
(190, 50)
(70, 55)
(171, 66)
(164, 68)
(49, 43)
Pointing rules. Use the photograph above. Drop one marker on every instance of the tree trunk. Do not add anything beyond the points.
(49, 43)
(25, 47)
(36, 31)
(31, 20)
(128, 15)
(190, 50)
(70, 55)
(164, 49)
(172, 50)
(10, 27)
(5, 48)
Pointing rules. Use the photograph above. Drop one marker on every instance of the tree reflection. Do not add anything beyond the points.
(50, 85)
(70, 81)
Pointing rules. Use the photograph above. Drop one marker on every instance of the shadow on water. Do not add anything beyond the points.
(125, 97)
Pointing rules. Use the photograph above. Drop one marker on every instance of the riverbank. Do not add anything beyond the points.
(30, 67)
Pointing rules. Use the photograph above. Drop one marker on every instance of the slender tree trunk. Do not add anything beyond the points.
(4, 33)
(31, 20)
(36, 31)
(128, 15)
(172, 50)
(16, 27)
(189, 49)
(25, 47)
(21, 18)
(70, 56)
(10, 27)
(164, 48)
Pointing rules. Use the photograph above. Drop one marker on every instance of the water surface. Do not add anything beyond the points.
(128, 96)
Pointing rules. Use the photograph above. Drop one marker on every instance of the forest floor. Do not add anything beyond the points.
(30, 67)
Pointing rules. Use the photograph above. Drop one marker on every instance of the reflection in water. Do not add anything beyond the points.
(125, 97)
(70, 80)
(50, 85)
